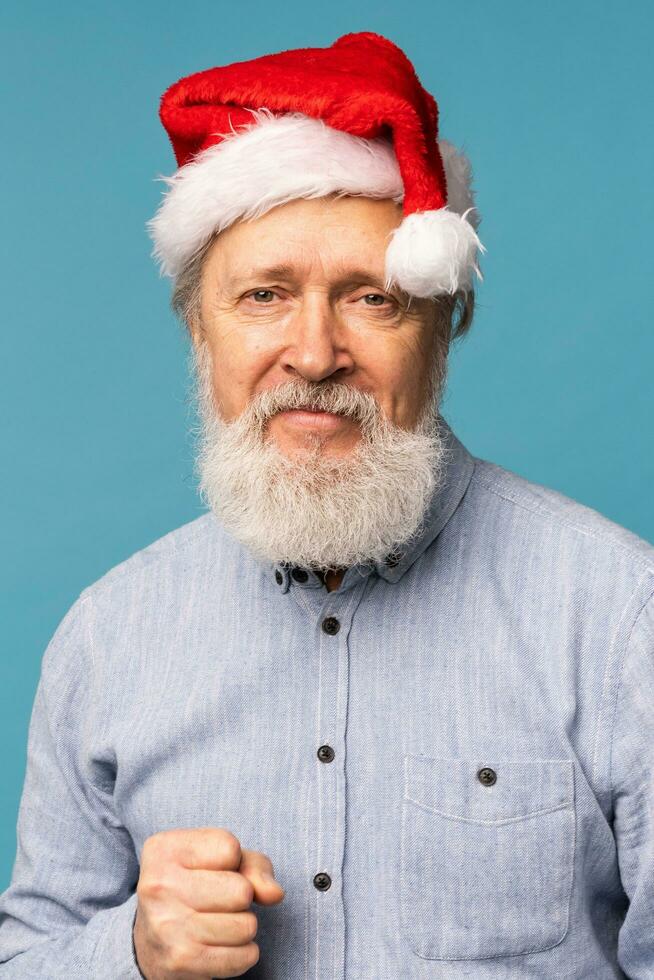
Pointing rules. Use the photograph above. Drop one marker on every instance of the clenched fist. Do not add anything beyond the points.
(193, 917)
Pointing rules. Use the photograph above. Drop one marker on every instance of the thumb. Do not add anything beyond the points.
(258, 869)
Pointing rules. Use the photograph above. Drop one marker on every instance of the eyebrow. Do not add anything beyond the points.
(349, 277)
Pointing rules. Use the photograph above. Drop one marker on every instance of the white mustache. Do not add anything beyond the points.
(327, 396)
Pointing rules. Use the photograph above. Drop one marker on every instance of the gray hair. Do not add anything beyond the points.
(454, 312)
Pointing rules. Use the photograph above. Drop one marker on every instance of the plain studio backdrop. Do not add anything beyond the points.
(552, 102)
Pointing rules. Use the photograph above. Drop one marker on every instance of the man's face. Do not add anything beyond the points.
(294, 314)
(298, 293)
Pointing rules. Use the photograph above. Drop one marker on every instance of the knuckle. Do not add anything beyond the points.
(249, 925)
(227, 835)
(244, 891)
(156, 844)
(253, 953)
(230, 844)
(152, 888)
(149, 845)
(161, 837)
(239, 958)
(177, 959)
(164, 928)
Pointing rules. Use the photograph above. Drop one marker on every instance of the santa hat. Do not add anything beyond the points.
(351, 118)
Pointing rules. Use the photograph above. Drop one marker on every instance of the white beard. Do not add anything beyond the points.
(316, 510)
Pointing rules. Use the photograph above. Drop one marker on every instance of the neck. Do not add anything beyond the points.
(333, 578)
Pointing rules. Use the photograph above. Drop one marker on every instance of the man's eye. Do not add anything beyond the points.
(262, 295)
(373, 298)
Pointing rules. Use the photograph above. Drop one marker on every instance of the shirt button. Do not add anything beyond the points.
(299, 575)
(487, 776)
(279, 578)
(322, 881)
(331, 625)
(325, 753)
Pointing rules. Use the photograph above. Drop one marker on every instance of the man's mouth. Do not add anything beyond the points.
(307, 416)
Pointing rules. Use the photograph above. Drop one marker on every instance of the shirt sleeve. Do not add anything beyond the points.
(632, 769)
(70, 905)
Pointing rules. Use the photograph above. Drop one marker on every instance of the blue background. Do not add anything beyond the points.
(552, 102)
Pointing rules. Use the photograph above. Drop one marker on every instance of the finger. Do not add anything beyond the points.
(255, 862)
(223, 928)
(258, 869)
(205, 848)
(214, 891)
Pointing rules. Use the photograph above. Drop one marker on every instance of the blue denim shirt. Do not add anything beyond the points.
(489, 808)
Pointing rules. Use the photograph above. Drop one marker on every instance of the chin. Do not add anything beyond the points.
(294, 445)
(315, 444)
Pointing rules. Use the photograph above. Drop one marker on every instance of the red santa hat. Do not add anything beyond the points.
(351, 118)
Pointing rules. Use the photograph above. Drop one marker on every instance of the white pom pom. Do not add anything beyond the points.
(433, 252)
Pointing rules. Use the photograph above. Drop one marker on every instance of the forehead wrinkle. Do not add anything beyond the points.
(344, 276)
(277, 271)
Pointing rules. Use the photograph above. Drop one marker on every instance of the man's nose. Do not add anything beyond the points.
(318, 342)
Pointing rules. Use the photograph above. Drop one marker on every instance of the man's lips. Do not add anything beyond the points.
(308, 418)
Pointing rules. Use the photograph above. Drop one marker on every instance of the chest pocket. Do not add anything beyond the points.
(487, 855)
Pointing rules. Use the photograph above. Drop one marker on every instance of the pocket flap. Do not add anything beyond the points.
(523, 787)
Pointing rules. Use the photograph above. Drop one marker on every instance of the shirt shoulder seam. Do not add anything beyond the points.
(538, 510)
(163, 550)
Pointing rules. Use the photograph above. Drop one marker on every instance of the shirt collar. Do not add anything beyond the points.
(458, 467)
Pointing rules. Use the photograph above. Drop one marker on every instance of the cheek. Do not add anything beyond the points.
(400, 366)
(399, 372)
(238, 365)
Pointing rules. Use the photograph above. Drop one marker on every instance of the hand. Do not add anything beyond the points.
(194, 893)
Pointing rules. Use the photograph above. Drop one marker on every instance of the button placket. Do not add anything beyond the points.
(334, 621)
(326, 818)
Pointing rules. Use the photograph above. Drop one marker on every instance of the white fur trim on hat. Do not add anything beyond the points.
(280, 158)
(433, 252)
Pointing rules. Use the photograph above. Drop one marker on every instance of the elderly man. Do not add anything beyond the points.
(396, 697)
